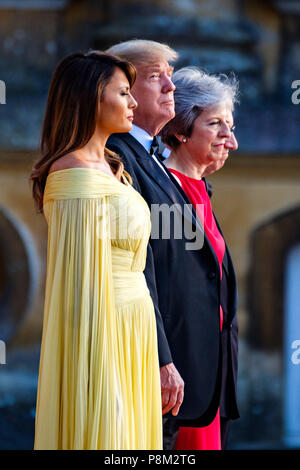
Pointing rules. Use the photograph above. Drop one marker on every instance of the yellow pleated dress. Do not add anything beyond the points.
(99, 382)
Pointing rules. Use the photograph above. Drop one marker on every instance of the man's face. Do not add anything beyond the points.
(154, 92)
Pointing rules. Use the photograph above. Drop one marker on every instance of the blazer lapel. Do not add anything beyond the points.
(166, 181)
(169, 185)
(153, 170)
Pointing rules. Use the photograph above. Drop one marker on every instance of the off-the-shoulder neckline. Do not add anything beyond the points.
(85, 168)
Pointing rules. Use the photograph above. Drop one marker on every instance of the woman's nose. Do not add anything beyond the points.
(225, 130)
(133, 103)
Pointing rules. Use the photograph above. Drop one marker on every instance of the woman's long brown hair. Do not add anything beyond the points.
(76, 87)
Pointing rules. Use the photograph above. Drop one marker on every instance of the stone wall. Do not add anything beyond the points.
(257, 40)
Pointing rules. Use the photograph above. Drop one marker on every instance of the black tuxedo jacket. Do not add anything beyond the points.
(186, 291)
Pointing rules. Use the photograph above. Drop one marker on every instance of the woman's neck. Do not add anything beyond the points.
(94, 150)
(93, 155)
(183, 163)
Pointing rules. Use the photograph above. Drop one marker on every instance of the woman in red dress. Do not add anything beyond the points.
(200, 137)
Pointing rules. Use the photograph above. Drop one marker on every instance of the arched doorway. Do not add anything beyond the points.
(270, 245)
(18, 274)
(291, 349)
(274, 320)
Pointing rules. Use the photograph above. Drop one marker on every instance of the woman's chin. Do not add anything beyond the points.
(123, 129)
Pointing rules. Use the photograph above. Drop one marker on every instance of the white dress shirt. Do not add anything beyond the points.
(145, 140)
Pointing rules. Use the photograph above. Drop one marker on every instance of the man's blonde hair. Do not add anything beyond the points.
(143, 51)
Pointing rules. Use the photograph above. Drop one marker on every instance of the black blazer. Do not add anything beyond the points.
(186, 291)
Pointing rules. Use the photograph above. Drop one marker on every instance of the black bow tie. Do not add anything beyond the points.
(154, 146)
(157, 148)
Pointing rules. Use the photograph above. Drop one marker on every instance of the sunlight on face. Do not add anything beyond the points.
(116, 109)
(211, 131)
(154, 92)
(230, 144)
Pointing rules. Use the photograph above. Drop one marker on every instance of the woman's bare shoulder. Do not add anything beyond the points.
(66, 162)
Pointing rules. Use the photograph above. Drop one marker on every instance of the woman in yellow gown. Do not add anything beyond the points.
(99, 384)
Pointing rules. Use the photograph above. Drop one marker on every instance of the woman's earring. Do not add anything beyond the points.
(184, 139)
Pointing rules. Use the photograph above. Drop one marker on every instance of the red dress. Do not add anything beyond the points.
(207, 437)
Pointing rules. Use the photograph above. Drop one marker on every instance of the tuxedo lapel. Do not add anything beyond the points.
(169, 185)
(154, 171)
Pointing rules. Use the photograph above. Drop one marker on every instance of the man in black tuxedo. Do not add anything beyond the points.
(182, 272)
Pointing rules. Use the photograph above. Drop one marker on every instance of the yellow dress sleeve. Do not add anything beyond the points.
(78, 390)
